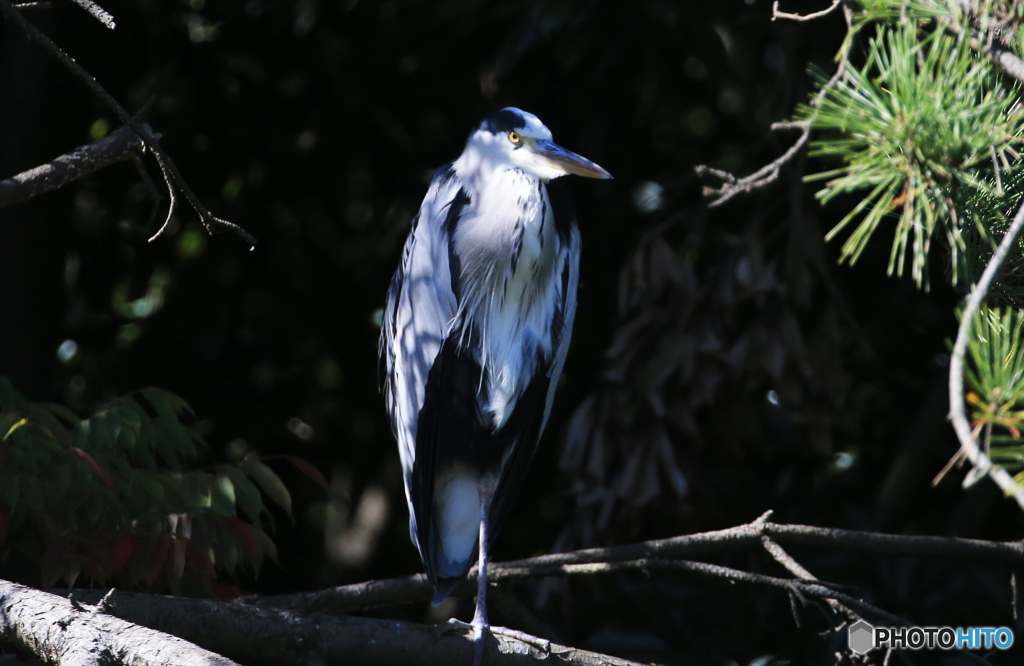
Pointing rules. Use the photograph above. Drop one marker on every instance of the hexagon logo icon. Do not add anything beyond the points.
(861, 637)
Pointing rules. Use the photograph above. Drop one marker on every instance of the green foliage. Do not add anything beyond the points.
(995, 375)
(983, 222)
(112, 497)
(920, 125)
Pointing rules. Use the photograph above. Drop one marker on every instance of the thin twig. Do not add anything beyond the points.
(769, 173)
(957, 414)
(789, 124)
(97, 12)
(154, 193)
(776, 14)
(798, 570)
(167, 165)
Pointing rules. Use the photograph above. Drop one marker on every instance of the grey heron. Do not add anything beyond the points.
(475, 333)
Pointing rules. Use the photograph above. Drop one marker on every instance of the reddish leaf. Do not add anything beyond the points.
(92, 567)
(96, 558)
(306, 468)
(122, 547)
(225, 592)
(55, 558)
(243, 529)
(179, 558)
(198, 558)
(91, 462)
(266, 544)
(157, 558)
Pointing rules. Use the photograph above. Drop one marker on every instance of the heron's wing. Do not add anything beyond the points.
(417, 317)
(452, 432)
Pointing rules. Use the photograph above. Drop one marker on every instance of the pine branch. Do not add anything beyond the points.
(957, 415)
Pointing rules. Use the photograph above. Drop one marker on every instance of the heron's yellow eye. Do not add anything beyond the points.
(513, 136)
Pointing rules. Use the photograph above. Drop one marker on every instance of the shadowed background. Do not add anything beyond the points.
(722, 365)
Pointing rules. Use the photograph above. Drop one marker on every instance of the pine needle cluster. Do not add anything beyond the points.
(996, 379)
(926, 125)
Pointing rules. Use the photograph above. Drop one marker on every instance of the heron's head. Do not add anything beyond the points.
(515, 138)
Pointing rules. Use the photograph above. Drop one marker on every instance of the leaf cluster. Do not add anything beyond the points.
(115, 497)
(995, 376)
(922, 126)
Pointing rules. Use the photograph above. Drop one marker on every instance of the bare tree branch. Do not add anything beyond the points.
(278, 636)
(167, 165)
(58, 631)
(798, 570)
(361, 596)
(120, 145)
(769, 173)
(98, 12)
(776, 14)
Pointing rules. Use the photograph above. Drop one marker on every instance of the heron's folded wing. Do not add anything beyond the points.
(420, 306)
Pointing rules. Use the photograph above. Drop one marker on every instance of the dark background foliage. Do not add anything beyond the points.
(722, 365)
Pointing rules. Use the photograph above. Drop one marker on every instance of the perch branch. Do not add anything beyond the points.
(968, 444)
(361, 596)
(57, 632)
(167, 165)
(280, 636)
(119, 146)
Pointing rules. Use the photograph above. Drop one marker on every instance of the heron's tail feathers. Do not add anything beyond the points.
(443, 588)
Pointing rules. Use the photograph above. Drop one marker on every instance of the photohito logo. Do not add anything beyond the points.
(863, 637)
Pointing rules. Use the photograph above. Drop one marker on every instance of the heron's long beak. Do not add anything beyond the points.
(550, 154)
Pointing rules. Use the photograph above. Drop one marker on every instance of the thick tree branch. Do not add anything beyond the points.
(276, 636)
(59, 631)
(120, 145)
(172, 176)
(285, 636)
(361, 596)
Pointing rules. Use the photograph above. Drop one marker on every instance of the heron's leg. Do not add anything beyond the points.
(480, 624)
